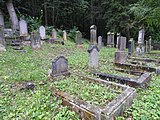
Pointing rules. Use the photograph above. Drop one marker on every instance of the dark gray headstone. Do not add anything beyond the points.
(35, 40)
(93, 56)
(109, 38)
(59, 66)
(118, 37)
(93, 35)
(131, 46)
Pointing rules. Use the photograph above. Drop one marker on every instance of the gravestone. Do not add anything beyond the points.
(54, 34)
(112, 39)
(2, 39)
(42, 32)
(59, 66)
(122, 44)
(64, 35)
(93, 35)
(150, 44)
(120, 54)
(118, 37)
(1, 19)
(141, 36)
(147, 47)
(93, 56)
(109, 37)
(35, 40)
(78, 39)
(100, 42)
(23, 28)
(131, 47)
(138, 51)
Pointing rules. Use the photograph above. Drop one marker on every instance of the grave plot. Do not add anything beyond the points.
(93, 98)
(141, 81)
(89, 97)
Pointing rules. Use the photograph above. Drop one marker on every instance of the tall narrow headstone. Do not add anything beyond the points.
(93, 35)
(109, 37)
(64, 35)
(93, 56)
(42, 32)
(147, 47)
(78, 39)
(2, 39)
(59, 66)
(131, 47)
(23, 28)
(35, 40)
(112, 39)
(1, 19)
(54, 34)
(118, 37)
(100, 42)
(120, 54)
(141, 36)
(150, 43)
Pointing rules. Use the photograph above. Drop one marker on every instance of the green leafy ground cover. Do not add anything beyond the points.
(16, 67)
(93, 93)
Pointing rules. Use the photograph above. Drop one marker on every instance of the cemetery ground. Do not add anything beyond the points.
(19, 68)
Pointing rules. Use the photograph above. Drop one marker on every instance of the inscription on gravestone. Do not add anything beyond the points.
(59, 66)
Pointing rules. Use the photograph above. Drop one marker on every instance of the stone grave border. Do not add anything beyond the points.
(88, 111)
(142, 82)
(144, 59)
(138, 67)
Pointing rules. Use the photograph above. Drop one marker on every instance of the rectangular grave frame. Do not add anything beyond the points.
(88, 111)
(138, 67)
(142, 82)
(145, 59)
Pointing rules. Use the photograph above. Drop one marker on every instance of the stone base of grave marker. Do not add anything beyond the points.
(79, 46)
(120, 57)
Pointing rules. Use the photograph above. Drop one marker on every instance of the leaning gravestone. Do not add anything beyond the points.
(93, 35)
(120, 54)
(64, 35)
(100, 42)
(78, 39)
(93, 56)
(35, 40)
(23, 28)
(42, 32)
(59, 67)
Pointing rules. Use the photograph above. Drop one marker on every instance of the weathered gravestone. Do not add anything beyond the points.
(93, 35)
(141, 36)
(64, 35)
(42, 32)
(150, 43)
(78, 39)
(23, 28)
(93, 56)
(120, 54)
(35, 40)
(54, 34)
(2, 38)
(100, 42)
(147, 47)
(131, 47)
(112, 39)
(59, 67)
(109, 39)
(118, 37)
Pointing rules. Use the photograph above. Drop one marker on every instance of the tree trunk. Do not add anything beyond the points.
(45, 12)
(12, 13)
